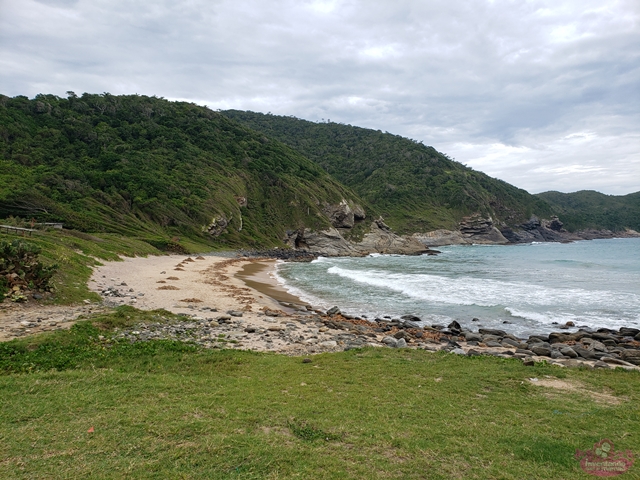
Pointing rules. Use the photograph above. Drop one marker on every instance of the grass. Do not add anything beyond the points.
(169, 410)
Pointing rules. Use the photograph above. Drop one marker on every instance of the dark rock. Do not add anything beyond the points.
(557, 354)
(629, 332)
(528, 362)
(544, 338)
(250, 329)
(333, 311)
(541, 351)
(492, 344)
(584, 353)
(475, 319)
(454, 326)
(472, 337)
(631, 356)
(410, 324)
(401, 334)
(473, 353)
(523, 351)
(306, 360)
(234, 313)
(508, 342)
(411, 318)
(491, 331)
(569, 324)
(569, 352)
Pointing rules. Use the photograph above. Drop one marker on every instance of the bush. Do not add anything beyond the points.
(20, 269)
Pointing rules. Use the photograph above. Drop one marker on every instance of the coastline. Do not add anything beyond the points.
(235, 303)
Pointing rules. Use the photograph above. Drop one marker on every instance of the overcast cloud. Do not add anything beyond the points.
(542, 94)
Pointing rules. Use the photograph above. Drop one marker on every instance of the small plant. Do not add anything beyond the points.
(309, 433)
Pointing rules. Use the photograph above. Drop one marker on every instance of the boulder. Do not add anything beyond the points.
(472, 337)
(631, 356)
(584, 353)
(390, 341)
(541, 351)
(629, 332)
(333, 311)
(491, 331)
(568, 352)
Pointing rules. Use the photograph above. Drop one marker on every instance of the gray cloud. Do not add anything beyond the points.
(545, 95)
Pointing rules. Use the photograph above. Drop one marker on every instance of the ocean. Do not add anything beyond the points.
(522, 289)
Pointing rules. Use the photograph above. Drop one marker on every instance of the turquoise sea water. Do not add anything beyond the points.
(592, 283)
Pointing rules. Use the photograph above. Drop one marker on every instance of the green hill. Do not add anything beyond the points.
(149, 168)
(590, 209)
(415, 187)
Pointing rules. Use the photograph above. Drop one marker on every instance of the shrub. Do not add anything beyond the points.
(21, 270)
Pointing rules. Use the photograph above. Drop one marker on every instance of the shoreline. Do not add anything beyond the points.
(235, 303)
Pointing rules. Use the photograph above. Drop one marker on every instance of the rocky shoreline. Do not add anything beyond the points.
(307, 331)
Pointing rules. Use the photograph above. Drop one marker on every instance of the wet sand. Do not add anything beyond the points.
(257, 275)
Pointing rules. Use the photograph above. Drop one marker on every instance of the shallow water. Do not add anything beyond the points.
(593, 283)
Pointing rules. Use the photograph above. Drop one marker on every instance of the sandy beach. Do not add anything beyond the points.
(179, 283)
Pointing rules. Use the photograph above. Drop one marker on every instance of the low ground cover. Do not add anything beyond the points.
(170, 410)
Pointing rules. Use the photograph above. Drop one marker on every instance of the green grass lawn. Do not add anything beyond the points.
(166, 410)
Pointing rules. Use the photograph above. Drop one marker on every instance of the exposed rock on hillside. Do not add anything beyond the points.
(474, 229)
(343, 215)
(330, 242)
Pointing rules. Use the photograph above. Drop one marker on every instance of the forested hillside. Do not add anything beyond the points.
(590, 209)
(151, 168)
(414, 186)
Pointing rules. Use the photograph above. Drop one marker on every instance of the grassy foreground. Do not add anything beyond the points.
(168, 410)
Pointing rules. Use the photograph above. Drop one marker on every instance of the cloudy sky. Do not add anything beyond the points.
(542, 94)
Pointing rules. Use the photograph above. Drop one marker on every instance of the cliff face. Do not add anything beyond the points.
(331, 242)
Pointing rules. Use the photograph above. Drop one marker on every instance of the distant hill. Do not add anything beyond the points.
(415, 187)
(147, 167)
(590, 209)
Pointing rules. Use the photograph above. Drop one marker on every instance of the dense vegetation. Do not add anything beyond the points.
(415, 187)
(589, 209)
(149, 168)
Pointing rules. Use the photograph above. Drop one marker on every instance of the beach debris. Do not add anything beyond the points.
(173, 278)
(191, 300)
(168, 287)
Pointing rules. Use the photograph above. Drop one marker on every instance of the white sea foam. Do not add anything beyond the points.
(589, 283)
(480, 291)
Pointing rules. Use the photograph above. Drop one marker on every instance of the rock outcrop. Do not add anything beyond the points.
(474, 229)
(379, 239)
(341, 215)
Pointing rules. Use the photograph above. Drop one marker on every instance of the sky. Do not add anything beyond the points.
(542, 94)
